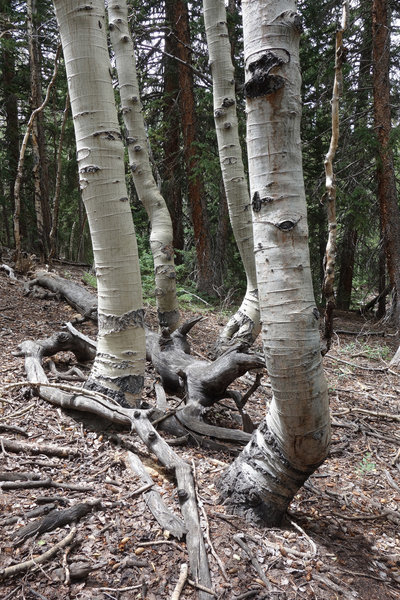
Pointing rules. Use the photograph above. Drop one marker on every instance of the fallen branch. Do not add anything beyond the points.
(33, 448)
(164, 517)
(181, 582)
(201, 506)
(25, 485)
(24, 566)
(372, 413)
(55, 519)
(355, 366)
(238, 538)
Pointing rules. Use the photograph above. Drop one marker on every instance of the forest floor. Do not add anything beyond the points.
(341, 538)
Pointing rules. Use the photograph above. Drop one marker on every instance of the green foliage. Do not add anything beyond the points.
(377, 352)
(90, 279)
(366, 466)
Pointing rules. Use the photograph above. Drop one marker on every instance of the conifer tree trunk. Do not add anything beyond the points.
(386, 179)
(118, 368)
(294, 437)
(161, 236)
(12, 125)
(245, 324)
(40, 165)
(196, 198)
(172, 174)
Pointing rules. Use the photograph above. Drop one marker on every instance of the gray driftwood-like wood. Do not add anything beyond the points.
(76, 295)
(164, 517)
(139, 422)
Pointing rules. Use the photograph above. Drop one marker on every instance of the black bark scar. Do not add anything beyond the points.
(262, 82)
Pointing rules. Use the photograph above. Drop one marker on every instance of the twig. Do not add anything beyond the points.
(346, 362)
(124, 589)
(360, 574)
(181, 582)
(160, 542)
(311, 542)
(361, 517)
(364, 411)
(198, 297)
(142, 489)
(200, 587)
(238, 538)
(20, 567)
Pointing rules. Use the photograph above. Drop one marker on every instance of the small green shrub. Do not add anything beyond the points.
(90, 279)
(366, 466)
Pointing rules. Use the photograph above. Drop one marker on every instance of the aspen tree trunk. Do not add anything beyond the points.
(294, 437)
(245, 324)
(118, 369)
(161, 237)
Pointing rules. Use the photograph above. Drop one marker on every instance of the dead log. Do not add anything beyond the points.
(76, 295)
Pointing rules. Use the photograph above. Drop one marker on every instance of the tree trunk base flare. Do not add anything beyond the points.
(260, 484)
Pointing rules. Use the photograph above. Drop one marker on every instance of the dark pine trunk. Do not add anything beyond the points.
(386, 181)
(347, 255)
(188, 121)
(172, 176)
(12, 127)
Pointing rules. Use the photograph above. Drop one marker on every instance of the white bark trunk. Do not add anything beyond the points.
(119, 365)
(161, 237)
(245, 324)
(294, 437)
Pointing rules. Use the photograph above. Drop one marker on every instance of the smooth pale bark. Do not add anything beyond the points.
(118, 369)
(294, 437)
(161, 237)
(245, 324)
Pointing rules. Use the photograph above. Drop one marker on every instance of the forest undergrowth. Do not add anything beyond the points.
(340, 539)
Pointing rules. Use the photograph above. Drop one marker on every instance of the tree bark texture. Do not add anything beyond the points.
(172, 174)
(294, 438)
(12, 126)
(161, 236)
(386, 180)
(244, 326)
(40, 164)
(196, 197)
(330, 185)
(347, 255)
(118, 369)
